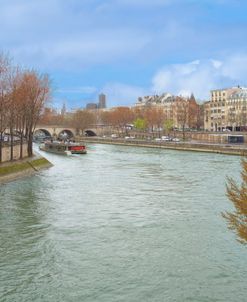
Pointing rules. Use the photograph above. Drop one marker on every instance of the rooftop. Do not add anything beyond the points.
(228, 88)
(239, 94)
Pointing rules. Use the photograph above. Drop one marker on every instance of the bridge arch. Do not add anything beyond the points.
(90, 133)
(65, 134)
(56, 130)
(41, 134)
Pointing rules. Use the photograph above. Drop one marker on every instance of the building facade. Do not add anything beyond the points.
(91, 106)
(100, 105)
(236, 109)
(102, 101)
(184, 112)
(226, 110)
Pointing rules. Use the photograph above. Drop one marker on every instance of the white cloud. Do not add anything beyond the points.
(61, 36)
(122, 94)
(235, 67)
(217, 64)
(197, 77)
(162, 80)
(200, 76)
(55, 34)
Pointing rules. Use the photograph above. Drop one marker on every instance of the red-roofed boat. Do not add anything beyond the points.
(64, 148)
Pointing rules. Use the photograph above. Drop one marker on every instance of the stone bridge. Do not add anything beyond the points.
(63, 132)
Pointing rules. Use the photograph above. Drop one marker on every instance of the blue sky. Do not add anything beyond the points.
(128, 48)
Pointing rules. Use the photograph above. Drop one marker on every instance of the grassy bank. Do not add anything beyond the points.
(12, 170)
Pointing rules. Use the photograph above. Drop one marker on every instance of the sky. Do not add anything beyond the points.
(128, 48)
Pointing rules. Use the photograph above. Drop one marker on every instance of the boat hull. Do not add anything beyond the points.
(63, 148)
(78, 152)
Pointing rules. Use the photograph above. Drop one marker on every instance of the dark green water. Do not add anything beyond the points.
(122, 224)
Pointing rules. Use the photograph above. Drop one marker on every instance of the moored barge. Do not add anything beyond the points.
(64, 148)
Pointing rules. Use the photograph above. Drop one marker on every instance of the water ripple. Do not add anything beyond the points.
(121, 224)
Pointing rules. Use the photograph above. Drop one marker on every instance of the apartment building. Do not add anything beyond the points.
(165, 101)
(237, 110)
(226, 110)
(184, 112)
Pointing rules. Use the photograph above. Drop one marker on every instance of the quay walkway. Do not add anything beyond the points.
(229, 149)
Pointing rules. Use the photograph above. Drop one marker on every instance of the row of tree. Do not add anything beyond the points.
(23, 94)
(184, 113)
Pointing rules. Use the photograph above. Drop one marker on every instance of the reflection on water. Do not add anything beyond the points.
(121, 224)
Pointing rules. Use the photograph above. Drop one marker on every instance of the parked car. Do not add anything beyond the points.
(175, 139)
(7, 138)
(157, 139)
(166, 138)
(114, 135)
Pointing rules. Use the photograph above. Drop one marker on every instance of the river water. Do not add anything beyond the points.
(122, 224)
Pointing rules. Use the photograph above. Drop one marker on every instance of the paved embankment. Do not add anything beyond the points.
(229, 149)
(10, 171)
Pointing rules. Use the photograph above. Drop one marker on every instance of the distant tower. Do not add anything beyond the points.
(102, 101)
(63, 111)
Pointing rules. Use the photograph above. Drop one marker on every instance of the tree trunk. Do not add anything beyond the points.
(11, 144)
(30, 144)
(21, 146)
(1, 146)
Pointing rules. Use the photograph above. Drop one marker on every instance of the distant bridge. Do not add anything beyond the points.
(56, 131)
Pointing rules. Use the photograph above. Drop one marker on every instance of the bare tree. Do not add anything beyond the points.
(120, 117)
(155, 117)
(82, 119)
(186, 111)
(182, 111)
(36, 90)
(193, 112)
(22, 98)
(4, 92)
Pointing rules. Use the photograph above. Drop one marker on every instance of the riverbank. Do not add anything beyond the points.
(10, 171)
(228, 149)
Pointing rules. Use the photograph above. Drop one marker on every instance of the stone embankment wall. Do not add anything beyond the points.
(182, 146)
(202, 136)
(16, 152)
(212, 137)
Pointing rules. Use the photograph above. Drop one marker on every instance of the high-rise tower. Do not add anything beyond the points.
(102, 101)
